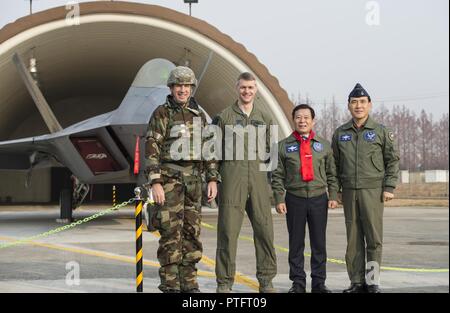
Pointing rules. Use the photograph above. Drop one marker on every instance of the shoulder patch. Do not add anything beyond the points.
(292, 148)
(345, 137)
(391, 136)
(239, 122)
(370, 136)
(257, 123)
(318, 147)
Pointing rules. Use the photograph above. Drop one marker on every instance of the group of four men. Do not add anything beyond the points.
(359, 168)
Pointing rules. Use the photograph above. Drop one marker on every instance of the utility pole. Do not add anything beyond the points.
(190, 5)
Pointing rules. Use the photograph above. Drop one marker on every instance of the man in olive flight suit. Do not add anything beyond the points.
(367, 164)
(244, 188)
(176, 184)
(306, 171)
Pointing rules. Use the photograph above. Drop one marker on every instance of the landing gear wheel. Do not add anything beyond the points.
(65, 204)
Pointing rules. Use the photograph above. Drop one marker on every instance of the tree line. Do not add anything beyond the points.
(422, 141)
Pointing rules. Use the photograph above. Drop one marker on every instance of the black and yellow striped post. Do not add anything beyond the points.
(114, 196)
(139, 253)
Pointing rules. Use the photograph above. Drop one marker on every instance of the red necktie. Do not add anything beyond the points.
(306, 158)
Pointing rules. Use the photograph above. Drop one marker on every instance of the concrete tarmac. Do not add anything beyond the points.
(102, 252)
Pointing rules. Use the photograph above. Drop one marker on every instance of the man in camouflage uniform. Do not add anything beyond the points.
(367, 163)
(176, 183)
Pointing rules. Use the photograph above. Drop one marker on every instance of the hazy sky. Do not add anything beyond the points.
(321, 48)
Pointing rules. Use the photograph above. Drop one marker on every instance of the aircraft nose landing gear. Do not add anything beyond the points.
(71, 197)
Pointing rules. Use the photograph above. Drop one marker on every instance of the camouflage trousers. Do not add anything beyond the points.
(178, 222)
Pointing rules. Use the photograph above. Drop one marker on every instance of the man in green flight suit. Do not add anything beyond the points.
(244, 188)
(306, 171)
(176, 182)
(367, 164)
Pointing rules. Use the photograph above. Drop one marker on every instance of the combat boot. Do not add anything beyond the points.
(373, 289)
(356, 288)
(192, 290)
(169, 290)
(267, 288)
(223, 289)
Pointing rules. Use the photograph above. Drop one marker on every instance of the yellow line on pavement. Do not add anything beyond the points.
(100, 254)
(337, 261)
(127, 259)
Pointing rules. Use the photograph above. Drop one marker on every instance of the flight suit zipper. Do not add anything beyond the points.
(356, 159)
(246, 151)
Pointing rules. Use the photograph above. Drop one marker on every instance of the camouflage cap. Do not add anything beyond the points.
(182, 75)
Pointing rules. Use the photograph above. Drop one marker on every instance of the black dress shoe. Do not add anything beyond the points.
(321, 289)
(356, 288)
(296, 288)
(373, 289)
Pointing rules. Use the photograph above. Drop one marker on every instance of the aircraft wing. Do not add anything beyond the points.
(101, 149)
(88, 149)
(17, 154)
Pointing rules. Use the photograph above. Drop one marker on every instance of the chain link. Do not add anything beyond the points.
(69, 226)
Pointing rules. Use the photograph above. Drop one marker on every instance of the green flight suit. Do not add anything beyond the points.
(306, 203)
(244, 188)
(287, 176)
(367, 164)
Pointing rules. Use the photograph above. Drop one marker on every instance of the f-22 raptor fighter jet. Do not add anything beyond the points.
(104, 149)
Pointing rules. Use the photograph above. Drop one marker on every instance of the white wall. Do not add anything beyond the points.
(436, 176)
(404, 177)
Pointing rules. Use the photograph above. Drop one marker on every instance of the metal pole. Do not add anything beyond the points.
(190, 9)
(37, 96)
(114, 195)
(139, 253)
(199, 80)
